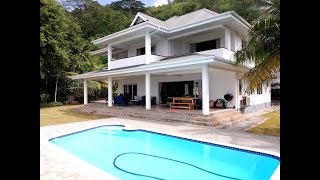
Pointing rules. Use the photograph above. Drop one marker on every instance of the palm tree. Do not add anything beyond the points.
(262, 45)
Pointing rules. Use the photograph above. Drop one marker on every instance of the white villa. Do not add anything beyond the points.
(185, 56)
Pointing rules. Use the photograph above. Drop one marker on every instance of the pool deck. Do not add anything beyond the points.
(55, 163)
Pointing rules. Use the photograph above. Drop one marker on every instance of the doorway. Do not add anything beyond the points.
(175, 89)
(130, 90)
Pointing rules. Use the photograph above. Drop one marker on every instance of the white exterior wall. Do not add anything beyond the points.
(206, 37)
(221, 52)
(265, 97)
(120, 55)
(256, 99)
(181, 46)
(131, 61)
(239, 41)
(140, 81)
(162, 47)
(156, 80)
(221, 83)
(132, 50)
(233, 41)
(177, 47)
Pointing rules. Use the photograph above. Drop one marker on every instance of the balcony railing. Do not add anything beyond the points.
(133, 61)
(221, 52)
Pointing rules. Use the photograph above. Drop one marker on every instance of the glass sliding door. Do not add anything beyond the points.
(130, 90)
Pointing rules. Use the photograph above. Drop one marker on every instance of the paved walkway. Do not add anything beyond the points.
(56, 163)
(253, 119)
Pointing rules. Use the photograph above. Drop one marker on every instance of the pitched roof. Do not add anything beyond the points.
(189, 18)
(153, 20)
(177, 21)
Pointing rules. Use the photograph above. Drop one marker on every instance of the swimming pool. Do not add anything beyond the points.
(140, 154)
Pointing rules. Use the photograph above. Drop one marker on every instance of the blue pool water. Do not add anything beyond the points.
(132, 155)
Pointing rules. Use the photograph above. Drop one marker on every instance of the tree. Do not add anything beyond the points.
(97, 21)
(133, 6)
(60, 43)
(262, 45)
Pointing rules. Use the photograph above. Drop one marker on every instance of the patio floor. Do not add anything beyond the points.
(161, 108)
(219, 118)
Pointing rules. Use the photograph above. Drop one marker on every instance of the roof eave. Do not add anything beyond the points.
(119, 33)
(240, 19)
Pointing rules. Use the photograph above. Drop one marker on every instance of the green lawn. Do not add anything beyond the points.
(269, 127)
(63, 114)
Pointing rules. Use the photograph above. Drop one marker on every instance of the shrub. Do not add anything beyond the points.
(76, 88)
(51, 104)
(74, 103)
(44, 97)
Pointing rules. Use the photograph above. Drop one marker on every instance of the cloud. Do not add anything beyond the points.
(160, 2)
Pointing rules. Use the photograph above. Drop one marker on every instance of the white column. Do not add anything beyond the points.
(148, 92)
(205, 90)
(235, 42)
(227, 39)
(148, 47)
(236, 94)
(110, 92)
(109, 55)
(85, 92)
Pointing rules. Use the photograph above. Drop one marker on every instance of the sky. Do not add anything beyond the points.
(146, 2)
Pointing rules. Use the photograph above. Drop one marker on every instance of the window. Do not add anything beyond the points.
(130, 91)
(203, 46)
(240, 86)
(259, 89)
(142, 51)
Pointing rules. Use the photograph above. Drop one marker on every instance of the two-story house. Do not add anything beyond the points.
(188, 55)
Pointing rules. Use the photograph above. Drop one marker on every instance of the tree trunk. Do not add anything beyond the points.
(46, 91)
(55, 92)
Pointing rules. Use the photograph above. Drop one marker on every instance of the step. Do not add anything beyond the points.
(219, 119)
(223, 126)
(224, 113)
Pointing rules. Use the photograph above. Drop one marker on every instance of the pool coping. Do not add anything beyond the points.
(275, 155)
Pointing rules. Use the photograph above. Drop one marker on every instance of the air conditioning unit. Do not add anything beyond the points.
(245, 101)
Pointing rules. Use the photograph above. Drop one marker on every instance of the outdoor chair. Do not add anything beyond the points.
(142, 101)
(121, 101)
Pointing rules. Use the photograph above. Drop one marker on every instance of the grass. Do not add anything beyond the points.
(63, 114)
(269, 127)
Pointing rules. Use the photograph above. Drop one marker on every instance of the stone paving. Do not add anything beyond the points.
(253, 119)
(55, 163)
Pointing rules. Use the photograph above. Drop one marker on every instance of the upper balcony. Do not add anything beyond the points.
(219, 41)
(133, 61)
(220, 52)
(223, 53)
